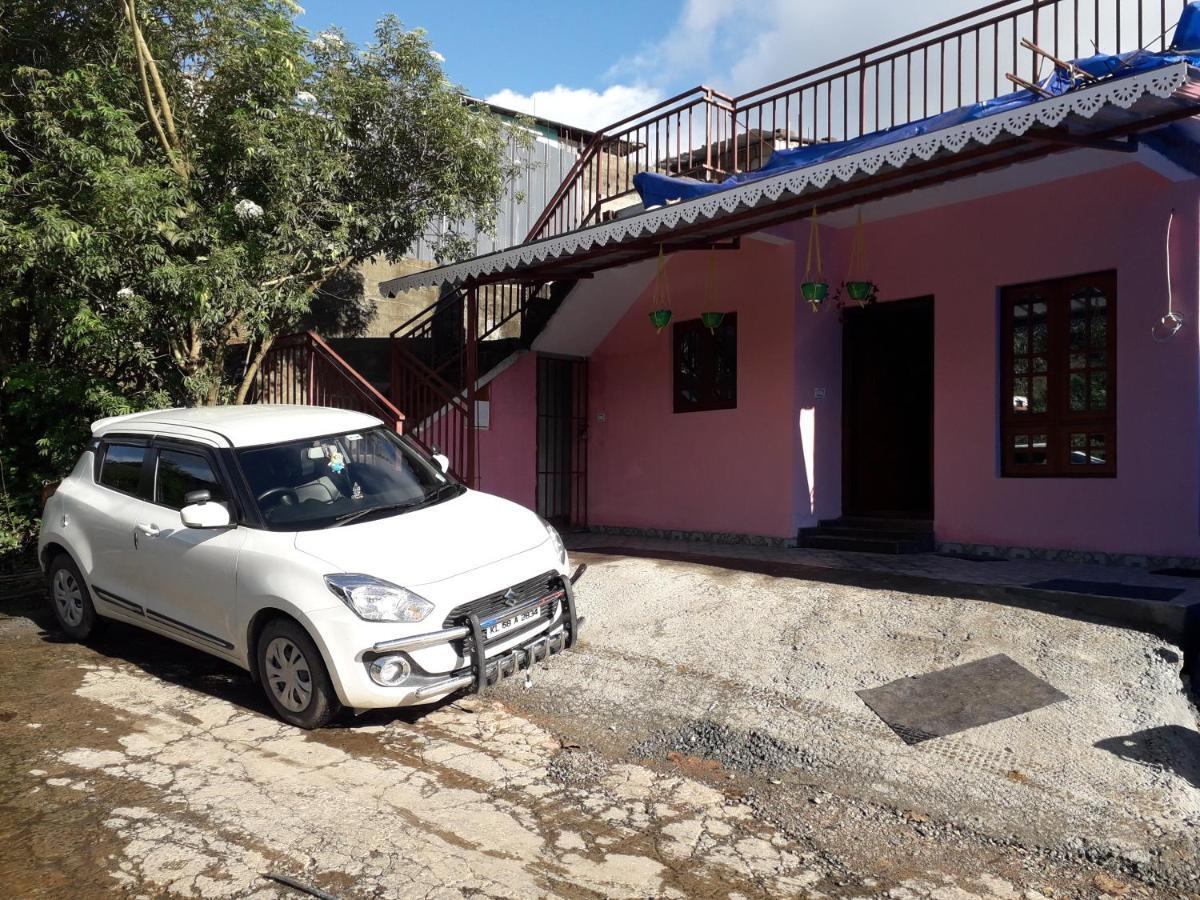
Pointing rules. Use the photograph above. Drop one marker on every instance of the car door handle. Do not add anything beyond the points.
(148, 530)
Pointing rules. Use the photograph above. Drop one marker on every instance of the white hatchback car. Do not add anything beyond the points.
(313, 547)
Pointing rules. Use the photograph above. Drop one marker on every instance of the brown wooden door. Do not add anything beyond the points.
(887, 410)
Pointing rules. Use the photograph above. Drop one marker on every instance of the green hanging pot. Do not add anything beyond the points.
(860, 290)
(815, 291)
(712, 320)
(660, 318)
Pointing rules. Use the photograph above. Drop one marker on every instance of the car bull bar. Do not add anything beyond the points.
(486, 671)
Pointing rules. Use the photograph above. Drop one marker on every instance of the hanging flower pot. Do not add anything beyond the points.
(859, 289)
(660, 312)
(862, 291)
(814, 288)
(712, 320)
(815, 292)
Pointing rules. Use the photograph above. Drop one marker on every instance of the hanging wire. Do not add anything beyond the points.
(1170, 324)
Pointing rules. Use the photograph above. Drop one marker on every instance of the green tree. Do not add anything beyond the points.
(176, 175)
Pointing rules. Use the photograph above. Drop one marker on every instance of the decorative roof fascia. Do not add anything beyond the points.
(1050, 112)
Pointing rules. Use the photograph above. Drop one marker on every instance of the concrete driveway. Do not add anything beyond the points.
(704, 740)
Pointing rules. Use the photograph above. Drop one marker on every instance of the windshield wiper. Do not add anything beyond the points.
(407, 505)
(354, 515)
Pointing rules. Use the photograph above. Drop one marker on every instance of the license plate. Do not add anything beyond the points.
(513, 621)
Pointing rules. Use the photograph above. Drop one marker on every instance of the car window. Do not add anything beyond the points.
(318, 482)
(179, 473)
(122, 468)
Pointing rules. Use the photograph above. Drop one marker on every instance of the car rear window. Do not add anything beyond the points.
(180, 473)
(122, 469)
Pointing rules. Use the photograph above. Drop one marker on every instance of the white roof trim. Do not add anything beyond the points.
(1085, 102)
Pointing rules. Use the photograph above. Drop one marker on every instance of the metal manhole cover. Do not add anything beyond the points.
(961, 697)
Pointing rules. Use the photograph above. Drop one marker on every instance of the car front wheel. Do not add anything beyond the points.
(70, 599)
(294, 676)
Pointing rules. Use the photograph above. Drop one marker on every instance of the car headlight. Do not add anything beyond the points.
(559, 547)
(377, 600)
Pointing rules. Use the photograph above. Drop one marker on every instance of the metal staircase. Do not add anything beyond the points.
(441, 357)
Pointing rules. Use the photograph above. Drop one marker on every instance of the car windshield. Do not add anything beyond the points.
(326, 481)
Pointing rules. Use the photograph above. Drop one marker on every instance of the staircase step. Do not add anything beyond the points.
(866, 544)
(879, 523)
(883, 534)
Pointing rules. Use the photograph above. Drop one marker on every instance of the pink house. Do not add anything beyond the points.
(1023, 376)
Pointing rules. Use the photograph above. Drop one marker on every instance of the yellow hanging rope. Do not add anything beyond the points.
(662, 290)
(814, 244)
(858, 250)
(660, 314)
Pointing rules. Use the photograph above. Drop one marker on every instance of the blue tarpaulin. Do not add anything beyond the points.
(657, 190)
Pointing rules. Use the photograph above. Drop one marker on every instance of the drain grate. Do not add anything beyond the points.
(961, 697)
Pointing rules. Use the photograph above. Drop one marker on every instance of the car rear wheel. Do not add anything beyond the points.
(294, 676)
(70, 599)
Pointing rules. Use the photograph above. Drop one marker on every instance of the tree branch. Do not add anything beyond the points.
(252, 370)
(142, 52)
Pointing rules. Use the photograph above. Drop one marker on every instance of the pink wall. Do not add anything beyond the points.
(774, 463)
(726, 470)
(508, 449)
(961, 254)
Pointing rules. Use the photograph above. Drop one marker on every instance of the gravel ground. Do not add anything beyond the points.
(703, 741)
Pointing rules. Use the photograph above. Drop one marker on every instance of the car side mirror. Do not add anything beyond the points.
(442, 461)
(200, 512)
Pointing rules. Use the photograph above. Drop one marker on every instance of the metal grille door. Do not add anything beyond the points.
(562, 440)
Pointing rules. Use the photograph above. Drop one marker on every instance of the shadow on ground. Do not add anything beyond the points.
(187, 667)
(1168, 747)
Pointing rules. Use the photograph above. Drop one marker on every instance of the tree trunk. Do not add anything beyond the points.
(252, 370)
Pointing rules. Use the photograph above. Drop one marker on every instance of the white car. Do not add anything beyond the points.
(313, 547)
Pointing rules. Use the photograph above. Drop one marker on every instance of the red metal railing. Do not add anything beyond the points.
(962, 60)
(302, 368)
(679, 136)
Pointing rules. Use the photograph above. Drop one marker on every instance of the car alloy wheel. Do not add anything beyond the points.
(288, 675)
(68, 597)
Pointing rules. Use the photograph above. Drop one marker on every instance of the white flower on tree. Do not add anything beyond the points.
(124, 293)
(248, 211)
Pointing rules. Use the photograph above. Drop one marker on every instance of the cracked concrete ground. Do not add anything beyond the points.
(136, 767)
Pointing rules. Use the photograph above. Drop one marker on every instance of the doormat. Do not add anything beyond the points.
(1177, 573)
(1109, 589)
(952, 700)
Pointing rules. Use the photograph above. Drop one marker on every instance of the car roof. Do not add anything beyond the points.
(239, 426)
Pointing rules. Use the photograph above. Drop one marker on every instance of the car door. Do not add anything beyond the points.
(107, 520)
(189, 575)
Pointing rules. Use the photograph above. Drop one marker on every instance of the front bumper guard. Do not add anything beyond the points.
(484, 671)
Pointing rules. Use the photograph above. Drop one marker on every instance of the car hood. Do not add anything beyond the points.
(430, 544)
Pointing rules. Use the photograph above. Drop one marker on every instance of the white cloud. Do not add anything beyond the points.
(581, 107)
(735, 48)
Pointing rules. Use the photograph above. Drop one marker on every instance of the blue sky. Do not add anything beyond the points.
(589, 64)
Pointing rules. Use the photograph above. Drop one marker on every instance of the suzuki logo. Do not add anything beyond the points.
(511, 598)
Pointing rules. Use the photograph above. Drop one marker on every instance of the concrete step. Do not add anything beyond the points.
(865, 544)
(847, 531)
(879, 523)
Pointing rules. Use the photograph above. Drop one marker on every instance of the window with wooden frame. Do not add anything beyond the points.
(1058, 407)
(705, 365)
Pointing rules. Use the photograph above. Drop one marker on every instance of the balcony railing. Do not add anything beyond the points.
(708, 135)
